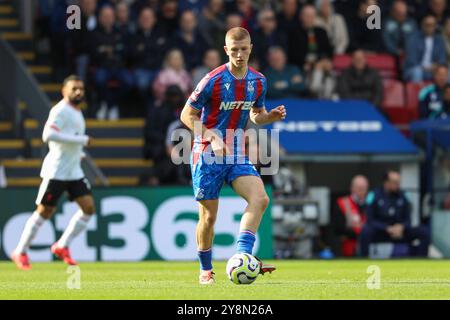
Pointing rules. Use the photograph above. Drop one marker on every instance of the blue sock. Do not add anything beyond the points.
(246, 241)
(205, 257)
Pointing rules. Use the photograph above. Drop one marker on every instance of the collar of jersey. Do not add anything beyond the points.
(229, 71)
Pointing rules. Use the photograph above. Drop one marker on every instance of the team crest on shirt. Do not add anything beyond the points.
(250, 87)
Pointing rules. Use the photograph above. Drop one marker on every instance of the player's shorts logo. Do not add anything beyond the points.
(199, 194)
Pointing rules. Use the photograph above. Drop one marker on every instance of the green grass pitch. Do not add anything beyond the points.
(300, 279)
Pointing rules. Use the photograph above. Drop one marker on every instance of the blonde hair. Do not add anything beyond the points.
(237, 34)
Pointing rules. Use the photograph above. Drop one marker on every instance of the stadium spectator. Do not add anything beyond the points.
(398, 29)
(287, 18)
(137, 5)
(308, 46)
(58, 34)
(417, 8)
(80, 39)
(283, 80)
(158, 145)
(211, 23)
(173, 73)
(147, 49)
(439, 10)
(158, 121)
(431, 98)
(108, 56)
(360, 81)
(266, 36)
(189, 40)
(169, 16)
(322, 84)
(211, 60)
(123, 23)
(248, 12)
(389, 218)
(334, 24)
(195, 6)
(348, 217)
(232, 20)
(361, 37)
(424, 50)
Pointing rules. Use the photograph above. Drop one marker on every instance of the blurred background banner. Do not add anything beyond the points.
(338, 127)
(132, 224)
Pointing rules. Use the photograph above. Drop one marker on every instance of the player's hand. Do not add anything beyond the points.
(398, 230)
(277, 114)
(89, 143)
(219, 147)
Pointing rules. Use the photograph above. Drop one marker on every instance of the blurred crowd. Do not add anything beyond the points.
(130, 51)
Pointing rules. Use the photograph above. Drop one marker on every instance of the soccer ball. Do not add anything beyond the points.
(243, 268)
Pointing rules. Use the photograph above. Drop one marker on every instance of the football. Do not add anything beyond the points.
(243, 268)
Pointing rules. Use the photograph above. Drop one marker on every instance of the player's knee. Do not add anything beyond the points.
(209, 219)
(89, 209)
(46, 212)
(262, 201)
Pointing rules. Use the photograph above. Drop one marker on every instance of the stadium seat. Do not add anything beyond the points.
(393, 104)
(394, 95)
(341, 62)
(412, 98)
(384, 63)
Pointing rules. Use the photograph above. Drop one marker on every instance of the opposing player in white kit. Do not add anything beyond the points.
(61, 172)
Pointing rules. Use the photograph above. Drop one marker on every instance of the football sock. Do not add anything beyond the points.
(205, 257)
(246, 241)
(29, 232)
(77, 224)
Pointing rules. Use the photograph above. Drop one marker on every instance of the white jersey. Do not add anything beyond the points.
(64, 132)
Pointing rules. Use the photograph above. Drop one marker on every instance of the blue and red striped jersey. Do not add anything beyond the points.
(225, 101)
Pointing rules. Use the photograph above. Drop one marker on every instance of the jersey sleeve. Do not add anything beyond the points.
(262, 90)
(202, 93)
(56, 119)
(54, 129)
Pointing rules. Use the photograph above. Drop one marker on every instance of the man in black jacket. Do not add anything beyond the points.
(80, 39)
(360, 81)
(389, 218)
(308, 45)
(147, 50)
(189, 40)
(108, 56)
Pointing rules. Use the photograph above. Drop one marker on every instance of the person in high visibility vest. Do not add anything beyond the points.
(349, 217)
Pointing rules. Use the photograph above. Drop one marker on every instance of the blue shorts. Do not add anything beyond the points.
(208, 178)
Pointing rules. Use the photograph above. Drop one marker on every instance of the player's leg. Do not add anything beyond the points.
(81, 193)
(205, 236)
(247, 183)
(251, 188)
(207, 180)
(48, 195)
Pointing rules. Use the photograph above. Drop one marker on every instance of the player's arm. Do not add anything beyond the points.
(260, 116)
(190, 115)
(191, 119)
(52, 131)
